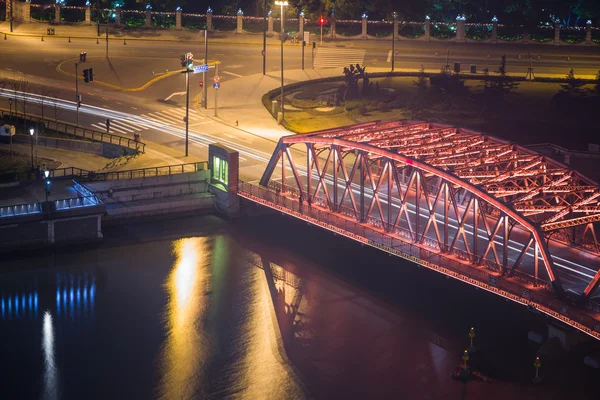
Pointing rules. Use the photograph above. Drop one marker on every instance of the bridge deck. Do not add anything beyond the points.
(519, 288)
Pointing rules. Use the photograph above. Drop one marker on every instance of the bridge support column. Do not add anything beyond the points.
(223, 164)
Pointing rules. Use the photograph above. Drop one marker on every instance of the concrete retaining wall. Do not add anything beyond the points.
(109, 150)
(153, 196)
(156, 187)
(82, 224)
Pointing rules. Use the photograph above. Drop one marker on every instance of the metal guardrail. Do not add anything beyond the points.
(16, 210)
(517, 288)
(148, 172)
(82, 174)
(77, 131)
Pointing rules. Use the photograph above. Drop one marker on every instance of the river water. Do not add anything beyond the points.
(260, 308)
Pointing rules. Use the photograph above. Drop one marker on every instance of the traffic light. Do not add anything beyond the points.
(183, 61)
(322, 21)
(88, 75)
(200, 83)
(190, 61)
(314, 45)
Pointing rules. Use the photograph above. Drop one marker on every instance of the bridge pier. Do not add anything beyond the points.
(223, 164)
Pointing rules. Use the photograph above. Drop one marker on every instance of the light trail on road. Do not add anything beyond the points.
(205, 140)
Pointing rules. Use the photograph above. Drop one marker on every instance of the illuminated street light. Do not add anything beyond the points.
(31, 134)
(282, 4)
(47, 183)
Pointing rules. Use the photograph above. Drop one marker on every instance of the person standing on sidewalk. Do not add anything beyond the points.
(107, 125)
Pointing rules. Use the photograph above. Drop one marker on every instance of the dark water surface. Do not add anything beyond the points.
(261, 308)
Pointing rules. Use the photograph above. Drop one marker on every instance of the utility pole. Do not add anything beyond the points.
(77, 89)
(204, 91)
(264, 51)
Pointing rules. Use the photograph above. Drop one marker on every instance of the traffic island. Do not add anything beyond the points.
(528, 112)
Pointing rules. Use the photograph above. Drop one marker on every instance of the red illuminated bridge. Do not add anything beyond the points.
(474, 207)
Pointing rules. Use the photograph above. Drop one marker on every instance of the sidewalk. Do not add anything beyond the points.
(37, 29)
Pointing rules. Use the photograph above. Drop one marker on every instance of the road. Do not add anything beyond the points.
(161, 121)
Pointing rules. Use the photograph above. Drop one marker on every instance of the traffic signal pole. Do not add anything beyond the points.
(187, 108)
(77, 89)
(204, 92)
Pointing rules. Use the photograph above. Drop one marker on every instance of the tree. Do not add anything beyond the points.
(574, 86)
(503, 84)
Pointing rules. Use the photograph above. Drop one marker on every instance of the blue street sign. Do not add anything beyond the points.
(216, 85)
(200, 68)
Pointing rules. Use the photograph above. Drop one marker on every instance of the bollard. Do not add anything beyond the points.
(568, 58)
(97, 41)
(472, 348)
(237, 123)
(69, 39)
(42, 38)
(5, 36)
(124, 41)
(537, 364)
(465, 358)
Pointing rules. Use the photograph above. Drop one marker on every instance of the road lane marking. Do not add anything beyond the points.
(231, 73)
(174, 94)
(135, 108)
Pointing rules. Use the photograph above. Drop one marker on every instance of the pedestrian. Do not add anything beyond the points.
(107, 125)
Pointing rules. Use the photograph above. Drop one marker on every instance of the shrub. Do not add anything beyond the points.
(354, 104)
(381, 106)
(362, 110)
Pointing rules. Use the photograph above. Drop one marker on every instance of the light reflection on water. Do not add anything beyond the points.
(51, 389)
(184, 356)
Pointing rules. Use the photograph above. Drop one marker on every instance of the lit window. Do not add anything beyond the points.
(220, 170)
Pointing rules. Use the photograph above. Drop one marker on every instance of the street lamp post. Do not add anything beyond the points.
(394, 40)
(98, 16)
(11, 15)
(47, 183)
(31, 134)
(264, 50)
(282, 4)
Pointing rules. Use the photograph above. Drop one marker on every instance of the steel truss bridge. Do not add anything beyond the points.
(476, 208)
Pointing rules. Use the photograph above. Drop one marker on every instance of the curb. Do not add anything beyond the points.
(110, 85)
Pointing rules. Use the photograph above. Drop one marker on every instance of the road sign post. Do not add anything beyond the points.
(216, 85)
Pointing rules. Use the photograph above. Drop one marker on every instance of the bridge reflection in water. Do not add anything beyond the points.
(479, 209)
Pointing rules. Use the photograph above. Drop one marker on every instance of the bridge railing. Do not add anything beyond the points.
(519, 287)
(78, 131)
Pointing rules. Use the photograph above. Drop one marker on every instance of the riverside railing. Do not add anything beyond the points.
(78, 131)
(515, 288)
(16, 210)
(82, 174)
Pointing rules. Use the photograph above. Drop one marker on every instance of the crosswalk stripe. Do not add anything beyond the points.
(124, 125)
(336, 57)
(167, 117)
(161, 120)
(178, 118)
(100, 127)
(114, 129)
